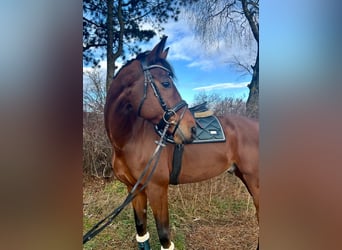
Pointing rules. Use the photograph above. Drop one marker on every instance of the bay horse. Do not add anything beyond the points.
(143, 95)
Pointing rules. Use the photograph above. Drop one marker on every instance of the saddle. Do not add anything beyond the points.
(208, 129)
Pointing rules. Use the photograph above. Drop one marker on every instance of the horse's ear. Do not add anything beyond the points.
(164, 54)
(158, 51)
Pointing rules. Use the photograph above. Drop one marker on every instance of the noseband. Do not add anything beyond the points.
(168, 112)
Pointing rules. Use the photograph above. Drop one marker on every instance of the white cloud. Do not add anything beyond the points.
(185, 46)
(103, 67)
(217, 86)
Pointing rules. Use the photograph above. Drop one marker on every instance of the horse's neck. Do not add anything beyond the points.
(121, 120)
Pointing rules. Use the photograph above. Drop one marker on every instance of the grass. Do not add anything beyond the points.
(215, 214)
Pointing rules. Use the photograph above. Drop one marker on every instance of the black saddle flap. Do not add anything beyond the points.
(209, 129)
(199, 108)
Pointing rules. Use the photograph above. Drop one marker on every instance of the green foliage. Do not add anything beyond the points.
(118, 188)
(134, 13)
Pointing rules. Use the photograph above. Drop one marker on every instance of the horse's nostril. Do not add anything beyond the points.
(193, 131)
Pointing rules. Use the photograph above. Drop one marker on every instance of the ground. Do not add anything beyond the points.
(215, 214)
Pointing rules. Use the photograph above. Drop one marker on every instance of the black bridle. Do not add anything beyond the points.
(168, 112)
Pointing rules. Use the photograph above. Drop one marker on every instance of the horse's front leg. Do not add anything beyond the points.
(140, 216)
(158, 198)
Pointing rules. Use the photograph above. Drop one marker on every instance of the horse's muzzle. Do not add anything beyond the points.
(183, 136)
(193, 133)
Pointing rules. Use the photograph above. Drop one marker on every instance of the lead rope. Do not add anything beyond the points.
(98, 227)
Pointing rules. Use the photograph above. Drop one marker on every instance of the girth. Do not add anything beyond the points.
(176, 164)
(208, 129)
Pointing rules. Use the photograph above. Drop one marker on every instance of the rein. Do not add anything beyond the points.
(98, 227)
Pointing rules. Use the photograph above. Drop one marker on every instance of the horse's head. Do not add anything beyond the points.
(157, 98)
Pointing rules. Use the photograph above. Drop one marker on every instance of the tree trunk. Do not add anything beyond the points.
(110, 41)
(252, 105)
(111, 56)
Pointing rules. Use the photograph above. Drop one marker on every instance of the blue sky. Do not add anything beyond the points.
(199, 68)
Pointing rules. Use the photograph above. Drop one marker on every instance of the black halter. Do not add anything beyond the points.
(168, 112)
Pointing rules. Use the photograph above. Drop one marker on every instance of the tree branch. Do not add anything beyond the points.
(252, 23)
(88, 46)
(149, 12)
(93, 23)
(242, 66)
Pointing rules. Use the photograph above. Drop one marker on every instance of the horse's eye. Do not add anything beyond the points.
(166, 84)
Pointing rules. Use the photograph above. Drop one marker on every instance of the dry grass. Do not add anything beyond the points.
(215, 214)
